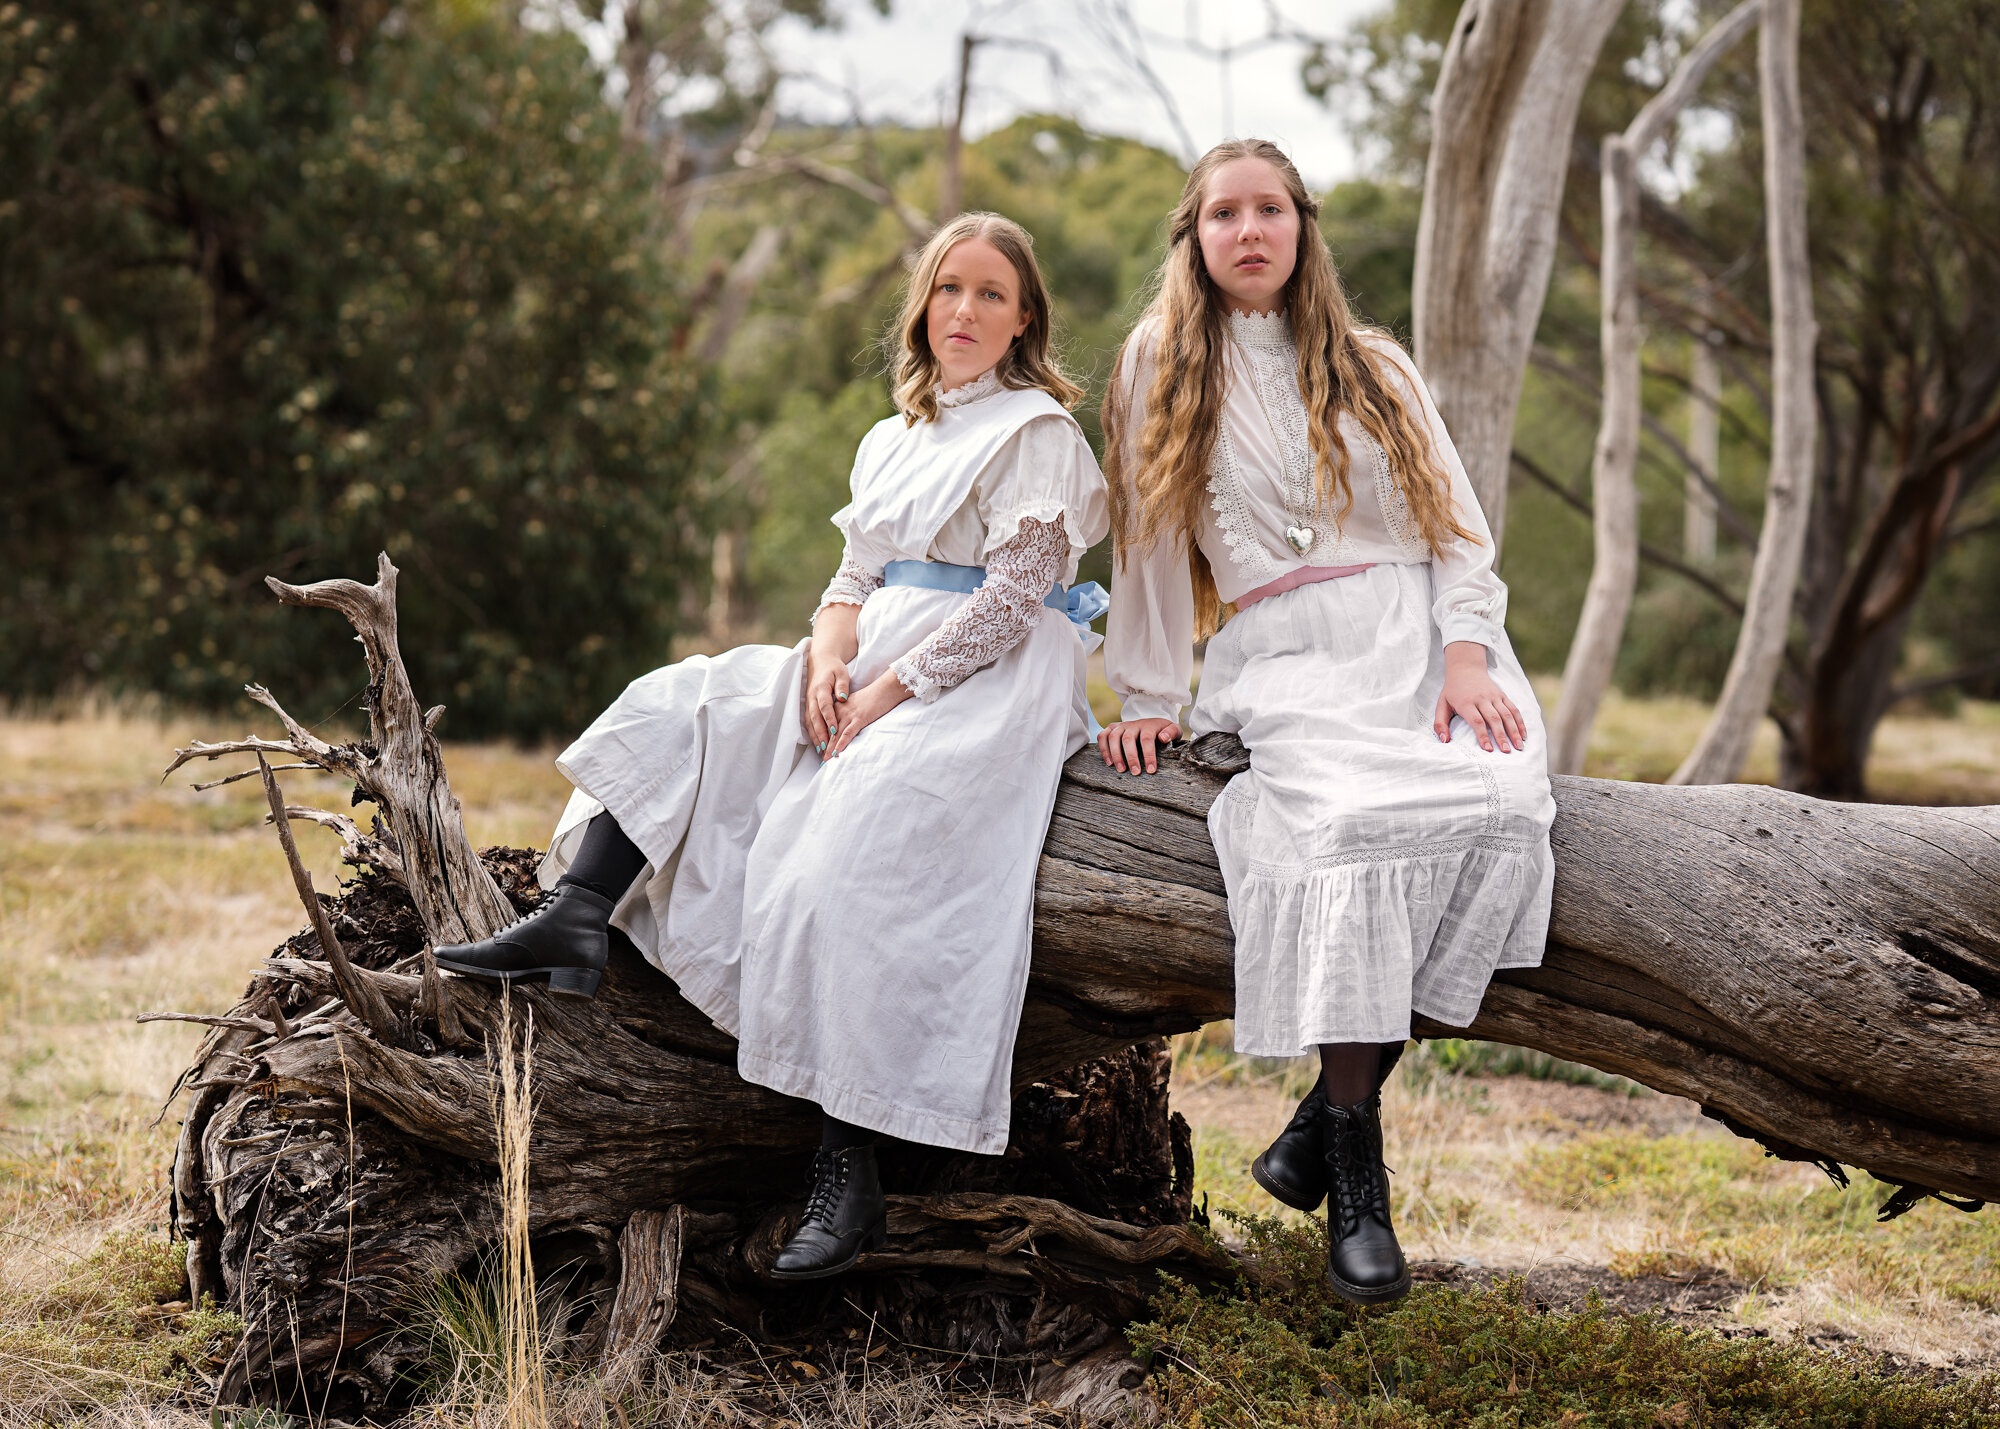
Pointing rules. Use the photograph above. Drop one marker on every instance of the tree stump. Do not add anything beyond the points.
(1823, 977)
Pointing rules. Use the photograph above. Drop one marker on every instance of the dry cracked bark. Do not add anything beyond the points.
(1824, 977)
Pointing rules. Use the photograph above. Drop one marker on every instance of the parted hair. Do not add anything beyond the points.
(1031, 360)
(1342, 367)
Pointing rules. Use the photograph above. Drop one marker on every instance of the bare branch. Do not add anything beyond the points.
(246, 774)
(1586, 386)
(1119, 32)
(396, 989)
(198, 750)
(367, 1002)
(356, 847)
(913, 219)
(744, 275)
(402, 767)
(1964, 675)
(1529, 468)
(1663, 108)
(240, 1024)
(301, 736)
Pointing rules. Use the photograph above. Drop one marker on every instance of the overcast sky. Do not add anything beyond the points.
(1060, 55)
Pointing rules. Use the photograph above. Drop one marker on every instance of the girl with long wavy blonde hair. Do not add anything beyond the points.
(1274, 462)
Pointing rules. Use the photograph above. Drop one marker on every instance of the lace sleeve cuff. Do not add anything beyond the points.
(852, 584)
(995, 618)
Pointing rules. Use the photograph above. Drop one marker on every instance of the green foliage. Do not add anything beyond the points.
(282, 286)
(1372, 229)
(806, 455)
(115, 1319)
(1282, 1349)
(1679, 638)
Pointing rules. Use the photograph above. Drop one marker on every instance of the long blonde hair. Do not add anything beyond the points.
(1338, 372)
(1030, 362)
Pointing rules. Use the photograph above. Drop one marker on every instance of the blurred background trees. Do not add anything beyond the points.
(286, 284)
(585, 335)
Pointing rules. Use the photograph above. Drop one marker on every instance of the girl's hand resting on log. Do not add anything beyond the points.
(1469, 693)
(833, 645)
(1127, 743)
(868, 705)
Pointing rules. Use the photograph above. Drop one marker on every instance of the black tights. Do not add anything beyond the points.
(1350, 1072)
(608, 861)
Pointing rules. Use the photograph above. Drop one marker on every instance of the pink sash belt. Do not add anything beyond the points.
(1292, 580)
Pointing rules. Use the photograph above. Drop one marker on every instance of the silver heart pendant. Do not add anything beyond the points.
(1300, 538)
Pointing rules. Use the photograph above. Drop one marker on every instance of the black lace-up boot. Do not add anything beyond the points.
(1364, 1264)
(567, 938)
(1293, 1168)
(845, 1215)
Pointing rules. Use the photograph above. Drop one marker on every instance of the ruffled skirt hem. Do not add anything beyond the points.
(1347, 952)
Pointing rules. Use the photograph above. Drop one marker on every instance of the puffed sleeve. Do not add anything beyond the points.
(1149, 635)
(1045, 472)
(1471, 599)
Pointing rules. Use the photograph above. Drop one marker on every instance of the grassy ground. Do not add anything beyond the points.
(120, 895)
(1545, 1175)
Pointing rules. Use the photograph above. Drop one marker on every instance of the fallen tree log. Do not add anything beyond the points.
(1825, 978)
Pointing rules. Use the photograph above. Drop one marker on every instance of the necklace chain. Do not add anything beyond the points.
(1300, 505)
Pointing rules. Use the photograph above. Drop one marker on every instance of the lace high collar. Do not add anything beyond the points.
(1265, 330)
(984, 385)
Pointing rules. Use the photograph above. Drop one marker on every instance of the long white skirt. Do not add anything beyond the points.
(1372, 869)
(861, 925)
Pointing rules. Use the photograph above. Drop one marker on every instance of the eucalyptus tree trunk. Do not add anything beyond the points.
(1501, 121)
(1767, 614)
(1614, 573)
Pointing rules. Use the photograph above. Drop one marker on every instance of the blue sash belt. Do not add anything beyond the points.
(1080, 603)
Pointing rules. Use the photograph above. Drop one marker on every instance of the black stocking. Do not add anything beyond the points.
(838, 1135)
(1351, 1072)
(607, 862)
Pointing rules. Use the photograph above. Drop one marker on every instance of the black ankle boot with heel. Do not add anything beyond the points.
(568, 939)
(845, 1216)
(1364, 1262)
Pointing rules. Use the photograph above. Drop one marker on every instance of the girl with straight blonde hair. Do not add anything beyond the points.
(832, 848)
(1388, 846)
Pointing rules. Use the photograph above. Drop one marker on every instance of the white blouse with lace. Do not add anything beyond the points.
(1261, 482)
(1013, 524)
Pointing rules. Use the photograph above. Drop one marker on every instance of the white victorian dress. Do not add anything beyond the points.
(861, 924)
(1371, 868)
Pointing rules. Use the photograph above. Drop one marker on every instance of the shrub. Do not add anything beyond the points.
(115, 1321)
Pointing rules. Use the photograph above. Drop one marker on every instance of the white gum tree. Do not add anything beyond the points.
(1615, 571)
